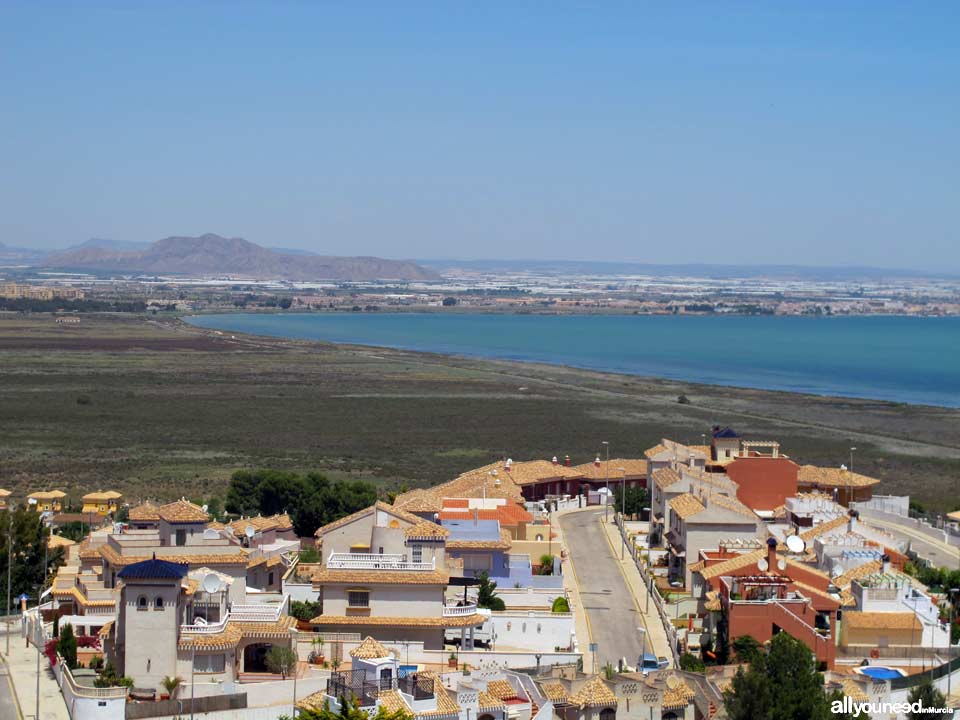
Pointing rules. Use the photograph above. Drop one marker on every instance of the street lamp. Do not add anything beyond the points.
(606, 475)
(643, 635)
(296, 662)
(623, 512)
(852, 450)
(952, 594)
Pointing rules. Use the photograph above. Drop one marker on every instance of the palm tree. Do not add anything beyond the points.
(171, 685)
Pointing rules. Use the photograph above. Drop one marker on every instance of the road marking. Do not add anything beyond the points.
(13, 693)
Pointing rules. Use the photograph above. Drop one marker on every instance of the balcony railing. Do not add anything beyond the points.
(371, 561)
(459, 610)
(242, 613)
(356, 684)
(206, 629)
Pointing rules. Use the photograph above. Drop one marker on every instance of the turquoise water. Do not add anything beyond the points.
(903, 359)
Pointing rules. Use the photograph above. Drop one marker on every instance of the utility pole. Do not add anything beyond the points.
(9, 566)
(852, 450)
(606, 475)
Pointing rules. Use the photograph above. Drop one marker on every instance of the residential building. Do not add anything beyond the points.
(678, 479)
(844, 485)
(384, 573)
(102, 503)
(665, 695)
(764, 479)
(47, 500)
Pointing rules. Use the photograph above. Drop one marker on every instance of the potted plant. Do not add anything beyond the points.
(452, 661)
(171, 685)
(335, 663)
(466, 670)
(317, 654)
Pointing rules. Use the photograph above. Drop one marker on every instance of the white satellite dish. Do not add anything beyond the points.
(200, 620)
(203, 507)
(796, 544)
(211, 534)
(673, 682)
(211, 583)
(249, 531)
(781, 564)
(762, 565)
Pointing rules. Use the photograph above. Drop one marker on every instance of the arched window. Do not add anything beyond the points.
(671, 716)
(158, 603)
(142, 603)
(485, 716)
(608, 714)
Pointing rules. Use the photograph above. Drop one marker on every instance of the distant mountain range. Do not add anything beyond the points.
(215, 255)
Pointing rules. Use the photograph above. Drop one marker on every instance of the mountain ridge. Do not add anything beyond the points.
(212, 254)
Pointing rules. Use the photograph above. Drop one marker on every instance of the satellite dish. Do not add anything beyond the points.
(781, 564)
(762, 565)
(211, 583)
(796, 544)
(200, 620)
(249, 531)
(203, 507)
(673, 682)
(210, 534)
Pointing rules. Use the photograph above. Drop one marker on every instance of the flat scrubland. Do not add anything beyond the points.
(155, 408)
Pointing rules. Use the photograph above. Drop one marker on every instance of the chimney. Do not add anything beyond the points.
(555, 461)
(776, 450)
(885, 564)
(852, 522)
(771, 554)
(566, 460)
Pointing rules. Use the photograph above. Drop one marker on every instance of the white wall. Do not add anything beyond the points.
(529, 630)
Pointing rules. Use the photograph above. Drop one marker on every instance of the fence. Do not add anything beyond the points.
(357, 684)
(163, 708)
(652, 590)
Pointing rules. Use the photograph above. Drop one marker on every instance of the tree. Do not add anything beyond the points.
(928, 696)
(636, 499)
(560, 605)
(746, 648)
(67, 646)
(305, 610)
(171, 685)
(285, 303)
(449, 301)
(487, 595)
(28, 541)
(781, 682)
(691, 663)
(310, 555)
(546, 565)
(281, 659)
(348, 711)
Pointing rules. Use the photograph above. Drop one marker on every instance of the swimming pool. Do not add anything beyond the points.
(880, 672)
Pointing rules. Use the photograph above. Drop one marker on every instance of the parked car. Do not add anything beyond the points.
(649, 662)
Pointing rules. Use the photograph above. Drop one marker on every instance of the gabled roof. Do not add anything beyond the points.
(153, 569)
(260, 523)
(881, 620)
(324, 576)
(665, 477)
(824, 527)
(47, 495)
(426, 530)
(555, 691)
(182, 511)
(102, 495)
(651, 453)
(504, 543)
(686, 505)
(144, 512)
(612, 470)
(369, 649)
(379, 505)
(833, 477)
(594, 693)
(501, 689)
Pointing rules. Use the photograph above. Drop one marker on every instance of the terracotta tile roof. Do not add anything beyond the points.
(699, 565)
(731, 503)
(860, 571)
(854, 691)
(686, 505)
(594, 693)
(55, 541)
(556, 692)
(734, 563)
(234, 632)
(182, 511)
(665, 477)
(102, 495)
(446, 703)
(594, 471)
(379, 505)
(824, 527)
(713, 601)
(391, 701)
(260, 524)
(105, 630)
(214, 525)
(509, 514)
(108, 553)
(678, 696)
(833, 477)
(881, 620)
(369, 649)
(431, 622)
(315, 702)
(529, 472)
(144, 512)
(810, 589)
(380, 577)
(504, 543)
(487, 702)
(501, 689)
(88, 552)
(650, 453)
(426, 529)
(81, 599)
(47, 495)
(229, 638)
(470, 484)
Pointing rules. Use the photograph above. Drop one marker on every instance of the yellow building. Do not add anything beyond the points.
(47, 501)
(103, 503)
(4, 494)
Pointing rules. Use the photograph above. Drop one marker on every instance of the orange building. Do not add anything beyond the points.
(764, 481)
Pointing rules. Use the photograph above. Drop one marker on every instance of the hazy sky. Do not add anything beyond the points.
(786, 132)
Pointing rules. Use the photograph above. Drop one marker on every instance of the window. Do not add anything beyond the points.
(608, 714)
(358, 598)
(418, 553)
(475, 561)
(142, 603)
(209, 663)
(181, 537)
(158, 603)
(270, 579)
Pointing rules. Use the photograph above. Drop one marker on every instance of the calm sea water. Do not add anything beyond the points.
(903, 359)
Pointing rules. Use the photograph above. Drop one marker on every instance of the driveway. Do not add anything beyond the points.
(611, 613)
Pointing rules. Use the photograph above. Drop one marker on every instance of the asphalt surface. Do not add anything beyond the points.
(611, 613)
(8, 705)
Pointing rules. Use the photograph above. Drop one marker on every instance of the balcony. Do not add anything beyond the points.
(260, 613)
(357, 684)
(459, 610)
(372, 561)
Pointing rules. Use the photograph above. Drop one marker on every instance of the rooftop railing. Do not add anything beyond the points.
(459, 610)
(372, 561)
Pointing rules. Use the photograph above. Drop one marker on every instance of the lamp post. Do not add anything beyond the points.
(193, 665)
(606, 475)
(952, 593)
(852, 450)
(643, 651)
(9, 566)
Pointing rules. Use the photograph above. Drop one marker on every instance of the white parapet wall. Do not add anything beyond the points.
(529, 630)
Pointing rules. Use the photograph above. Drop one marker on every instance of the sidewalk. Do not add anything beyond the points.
(22, 665)
(657, 641)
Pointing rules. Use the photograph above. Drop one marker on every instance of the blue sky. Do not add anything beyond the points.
(819, 133)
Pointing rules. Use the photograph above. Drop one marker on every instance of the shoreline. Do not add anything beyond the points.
(185, 319)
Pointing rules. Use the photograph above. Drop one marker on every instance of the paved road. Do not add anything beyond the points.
(8, 704)
(939, 553)
(611, 613)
